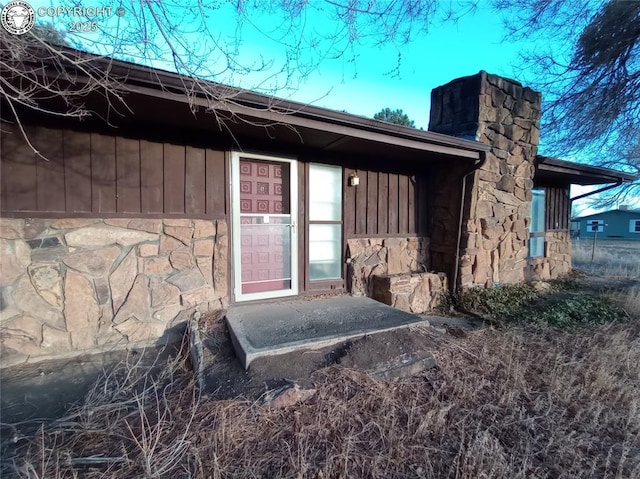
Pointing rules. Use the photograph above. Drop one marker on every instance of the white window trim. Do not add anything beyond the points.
(632, 226)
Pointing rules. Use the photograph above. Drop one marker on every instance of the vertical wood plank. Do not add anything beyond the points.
(103, 173)
(412, 204)
(18, 170)
(77, 171)
(567, 208)
(361, 204)
(216, 184)
(127, 175)
(349, 206)
(50, 174)
(174, 175)
(422, 206)
(372, 203)
(403, 204)
(393, 203)
(151, 177)
(383, 203)
(195, 181)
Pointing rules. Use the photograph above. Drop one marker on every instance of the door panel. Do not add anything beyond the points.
(265, 266)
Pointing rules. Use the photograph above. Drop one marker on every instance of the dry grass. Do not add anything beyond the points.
(505, 404)
(629, 300)
(611, 257)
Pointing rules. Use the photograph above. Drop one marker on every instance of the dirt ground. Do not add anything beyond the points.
(225, 377)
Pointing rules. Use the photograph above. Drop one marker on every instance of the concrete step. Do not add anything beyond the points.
(270, 329)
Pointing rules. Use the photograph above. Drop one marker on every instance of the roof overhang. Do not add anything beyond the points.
(157, 98)
(553, 170)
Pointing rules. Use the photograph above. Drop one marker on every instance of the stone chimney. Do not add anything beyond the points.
(504, 114)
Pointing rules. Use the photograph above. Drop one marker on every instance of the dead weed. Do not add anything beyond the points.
(503, 404)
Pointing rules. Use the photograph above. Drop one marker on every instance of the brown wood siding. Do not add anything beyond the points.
(557, 209)
(91, 174)
(384, 204)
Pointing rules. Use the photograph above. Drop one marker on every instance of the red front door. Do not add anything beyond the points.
(265, 226)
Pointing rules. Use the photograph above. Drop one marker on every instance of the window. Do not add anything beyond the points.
(325, 222)
(634, 226)
(537, 226)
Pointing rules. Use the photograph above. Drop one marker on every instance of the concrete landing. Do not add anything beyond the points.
(259, 330)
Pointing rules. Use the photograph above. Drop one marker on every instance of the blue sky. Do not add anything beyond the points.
(361, 81)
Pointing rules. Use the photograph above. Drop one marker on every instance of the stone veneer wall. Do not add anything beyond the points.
(413, 292)
(369, 257)
(504, 114)
(70, 286)
(557, 257)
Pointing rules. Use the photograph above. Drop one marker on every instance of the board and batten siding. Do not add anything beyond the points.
(384, 204)
(93, 174)
(557, 209)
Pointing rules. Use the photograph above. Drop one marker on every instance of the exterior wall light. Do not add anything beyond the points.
(354, 179)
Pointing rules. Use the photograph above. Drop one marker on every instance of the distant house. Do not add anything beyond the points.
(622, 223)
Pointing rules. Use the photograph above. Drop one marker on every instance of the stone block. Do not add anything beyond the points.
(401, 301)
(11, 229)
(28, 300)
(405, 365)
(119, 222)
(178, 222)
(81, 310)
(34, 227)
(95, 262)
(506, 183)
(55, 339)
(182, 259)
(46, 278)
(122, 279)
(187, 280)
(205, 265)
(24, 325)
(204, 229)
(181, 233)
(145, 250)
(148, 225)
(158, 266)
(168, 244)
(136, 330)
(71, 223)
(165, 294)
(101, 235)
(394, 261)
(136, 304)
(194, 298)
(220, 263)
(10, 267)
(101, 286)
(203, 247)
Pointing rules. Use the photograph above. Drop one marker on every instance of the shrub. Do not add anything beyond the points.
(501, 300)
(570, 312)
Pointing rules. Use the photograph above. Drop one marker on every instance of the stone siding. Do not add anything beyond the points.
(415, 293)
(71, 286)
(504, 114)
(557, 258)
(369, 257)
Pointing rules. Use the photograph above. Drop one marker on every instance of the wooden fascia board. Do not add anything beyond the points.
(275, 117)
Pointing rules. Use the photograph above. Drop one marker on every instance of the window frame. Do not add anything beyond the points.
(331, 284)
(542, 233)
(634, 226)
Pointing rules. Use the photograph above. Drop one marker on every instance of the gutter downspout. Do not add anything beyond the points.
(477, 166)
